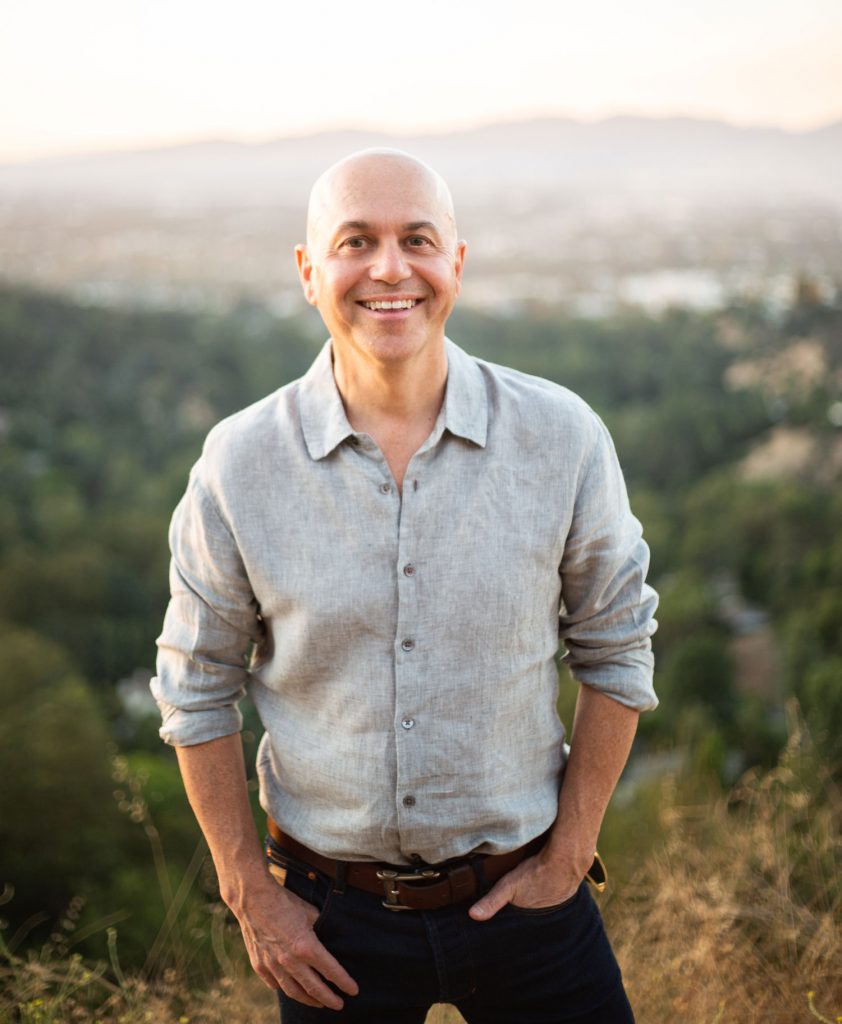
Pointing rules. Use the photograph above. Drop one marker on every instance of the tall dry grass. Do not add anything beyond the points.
(737, 917)
(734, 918)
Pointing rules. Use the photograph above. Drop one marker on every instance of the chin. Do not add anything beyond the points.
(399, 349)
(396, 346)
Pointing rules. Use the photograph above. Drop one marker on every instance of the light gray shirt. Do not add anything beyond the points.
(400, 649)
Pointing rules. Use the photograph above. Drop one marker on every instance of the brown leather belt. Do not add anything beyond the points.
(427, 887)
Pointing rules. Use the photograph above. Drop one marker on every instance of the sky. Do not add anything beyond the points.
(107, 74)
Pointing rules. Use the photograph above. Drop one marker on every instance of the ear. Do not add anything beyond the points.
(459, 263)
(305, 273)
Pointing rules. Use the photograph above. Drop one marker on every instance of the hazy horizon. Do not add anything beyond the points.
(141, 145)
(95, 77)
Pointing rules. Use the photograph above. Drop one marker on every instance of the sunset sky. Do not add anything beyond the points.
(100, 74)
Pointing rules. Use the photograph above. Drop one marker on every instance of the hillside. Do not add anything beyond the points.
(733, 915)
(102, 412)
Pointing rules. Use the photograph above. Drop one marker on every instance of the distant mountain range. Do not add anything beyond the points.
(629, 155)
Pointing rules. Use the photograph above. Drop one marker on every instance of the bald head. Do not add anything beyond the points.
(379, 175)
(381, 230)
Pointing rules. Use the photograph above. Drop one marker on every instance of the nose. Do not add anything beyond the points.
(390, 264)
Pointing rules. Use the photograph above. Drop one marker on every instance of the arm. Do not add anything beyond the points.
(277, 926)
(210, 625)
(606, 621)
(603, 731)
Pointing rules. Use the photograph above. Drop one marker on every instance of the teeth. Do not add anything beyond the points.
(396, 304)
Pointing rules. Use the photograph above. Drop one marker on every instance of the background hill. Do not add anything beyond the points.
(633, 154)
(591, 217)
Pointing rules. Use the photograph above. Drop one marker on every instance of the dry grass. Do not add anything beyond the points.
(735, 919)
(738, 918)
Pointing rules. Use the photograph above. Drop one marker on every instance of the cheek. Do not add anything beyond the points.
(447, 283)
(328, 290)
(446, 276)
(341, 283)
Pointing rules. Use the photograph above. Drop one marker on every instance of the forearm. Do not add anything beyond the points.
(603, 732)
(215, 780)
(277, 926)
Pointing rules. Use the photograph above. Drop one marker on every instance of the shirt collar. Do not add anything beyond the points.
(466, 398)
(325, 425)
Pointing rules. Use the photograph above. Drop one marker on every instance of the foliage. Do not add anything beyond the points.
(735, 913)
(740, 910)
(102, 412)
(55, 831)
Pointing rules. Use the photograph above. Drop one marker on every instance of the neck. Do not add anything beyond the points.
(401, 393)
(395, 402)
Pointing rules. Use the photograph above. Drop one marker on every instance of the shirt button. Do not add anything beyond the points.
(409, 801)
(409, 569)
(407, 723)
(408, 645)
(385, 488)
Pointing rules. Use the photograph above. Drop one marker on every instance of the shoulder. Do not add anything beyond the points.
(535, 406)
(248, 437)
(255, 425)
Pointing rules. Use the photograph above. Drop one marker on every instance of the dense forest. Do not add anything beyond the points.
(729, 428)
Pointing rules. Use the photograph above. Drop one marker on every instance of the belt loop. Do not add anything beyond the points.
(339, 881)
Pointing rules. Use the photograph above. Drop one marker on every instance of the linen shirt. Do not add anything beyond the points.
(400, 648)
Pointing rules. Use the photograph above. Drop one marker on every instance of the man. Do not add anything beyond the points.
(389, 551)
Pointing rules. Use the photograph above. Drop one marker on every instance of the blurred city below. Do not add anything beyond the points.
(591, 217)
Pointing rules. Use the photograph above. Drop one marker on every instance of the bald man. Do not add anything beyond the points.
(389, 553)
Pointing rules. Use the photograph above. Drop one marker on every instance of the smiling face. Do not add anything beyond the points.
(382, 263)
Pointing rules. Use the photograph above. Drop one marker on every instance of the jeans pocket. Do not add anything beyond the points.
(554, 908)
(310, 885)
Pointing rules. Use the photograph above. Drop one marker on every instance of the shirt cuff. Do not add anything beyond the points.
(187, 728)
(629, 684)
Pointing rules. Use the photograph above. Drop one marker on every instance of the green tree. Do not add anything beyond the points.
(59, 827)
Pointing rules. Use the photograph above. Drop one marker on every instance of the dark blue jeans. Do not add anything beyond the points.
(547, 966)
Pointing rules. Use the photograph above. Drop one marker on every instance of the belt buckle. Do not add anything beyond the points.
(390, 880)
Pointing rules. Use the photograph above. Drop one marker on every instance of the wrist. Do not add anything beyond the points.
(573, 857)
(240, 884)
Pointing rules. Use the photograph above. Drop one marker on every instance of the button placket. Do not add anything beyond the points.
(408, 663)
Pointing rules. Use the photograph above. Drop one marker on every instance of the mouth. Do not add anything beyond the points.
(389, 305)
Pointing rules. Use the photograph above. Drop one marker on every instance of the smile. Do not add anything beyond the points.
(393, 304)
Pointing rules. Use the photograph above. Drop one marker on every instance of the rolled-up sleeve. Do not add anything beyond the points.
(211, 624)
(607, 612)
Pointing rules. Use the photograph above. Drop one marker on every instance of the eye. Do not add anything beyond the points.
(357, 242)
(417, 241)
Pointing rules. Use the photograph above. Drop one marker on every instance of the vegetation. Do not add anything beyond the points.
(102, 413)
(735, 915)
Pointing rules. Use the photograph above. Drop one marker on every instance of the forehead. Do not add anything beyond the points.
(378, 192)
